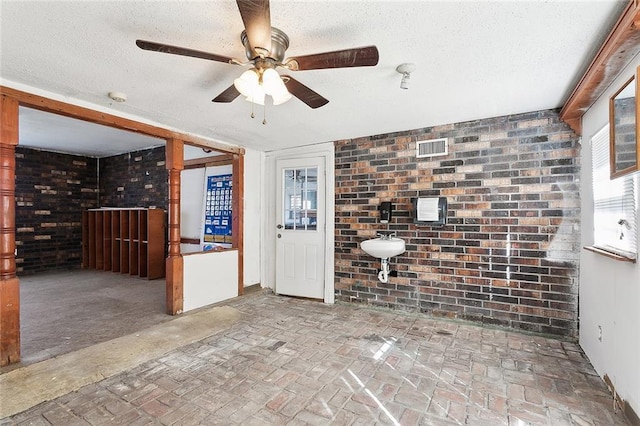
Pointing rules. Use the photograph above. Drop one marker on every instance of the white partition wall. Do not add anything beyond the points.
(609, 289)
(192, 188)
(253, 178)
(209, 277)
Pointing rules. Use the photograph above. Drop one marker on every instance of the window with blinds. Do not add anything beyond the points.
(614, 203)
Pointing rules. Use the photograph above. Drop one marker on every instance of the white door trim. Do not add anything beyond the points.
(269, 189)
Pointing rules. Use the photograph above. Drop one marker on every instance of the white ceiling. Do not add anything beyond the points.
(474, 59)
(77, 137)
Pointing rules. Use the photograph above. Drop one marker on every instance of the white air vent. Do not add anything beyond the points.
(431, 148)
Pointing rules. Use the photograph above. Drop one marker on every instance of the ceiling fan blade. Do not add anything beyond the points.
(303, 93)
(358, 57)
(229, 95)
(182, 51)
(256, 17)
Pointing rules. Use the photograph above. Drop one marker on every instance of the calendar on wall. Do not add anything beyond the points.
(217, 212)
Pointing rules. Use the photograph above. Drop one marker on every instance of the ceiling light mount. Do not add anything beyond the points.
(279, 45)
(118, 96)
(405, 69)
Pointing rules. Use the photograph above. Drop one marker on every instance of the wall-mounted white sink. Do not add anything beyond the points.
(383, 247)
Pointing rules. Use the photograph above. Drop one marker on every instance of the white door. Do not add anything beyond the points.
(300, 227)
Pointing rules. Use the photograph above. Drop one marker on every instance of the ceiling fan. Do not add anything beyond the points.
(265, 47)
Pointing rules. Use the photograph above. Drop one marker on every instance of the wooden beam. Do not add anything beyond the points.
(218, 160)
(9, 283)
(621, 45)
(237, 226)
(92, 116)
(175, 261)
(186, 240)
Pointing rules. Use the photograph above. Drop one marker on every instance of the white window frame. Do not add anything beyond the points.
(615, 203)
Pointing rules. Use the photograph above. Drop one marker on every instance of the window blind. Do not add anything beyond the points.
(614, 202)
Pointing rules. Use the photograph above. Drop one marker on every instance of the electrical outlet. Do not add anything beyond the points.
(599, 333)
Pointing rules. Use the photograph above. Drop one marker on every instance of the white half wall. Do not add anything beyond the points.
(609, 289)
(209, 277)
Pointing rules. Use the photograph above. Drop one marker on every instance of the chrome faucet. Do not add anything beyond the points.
(385, 236)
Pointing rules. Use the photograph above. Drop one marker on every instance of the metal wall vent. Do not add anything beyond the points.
(431, 148)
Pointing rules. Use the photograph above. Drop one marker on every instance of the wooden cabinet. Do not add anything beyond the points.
(128, 241)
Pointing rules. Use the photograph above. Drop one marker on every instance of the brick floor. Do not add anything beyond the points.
(299, 362)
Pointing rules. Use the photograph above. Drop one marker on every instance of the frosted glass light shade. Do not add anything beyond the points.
(274, 86)
(270, 80)
(247, 83)
(257, 97)
(280, 98)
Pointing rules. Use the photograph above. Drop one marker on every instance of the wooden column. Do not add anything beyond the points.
(237, 224)
(9, 283)
(175, 262)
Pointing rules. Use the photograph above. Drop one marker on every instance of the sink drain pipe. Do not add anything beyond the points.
(383, 275)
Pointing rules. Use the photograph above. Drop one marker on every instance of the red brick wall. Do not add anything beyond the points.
(509, 252)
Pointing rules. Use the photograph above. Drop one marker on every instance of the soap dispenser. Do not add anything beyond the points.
(386, 211)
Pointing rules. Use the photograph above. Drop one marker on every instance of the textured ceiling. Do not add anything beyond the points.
(51, 132)
(473, 60)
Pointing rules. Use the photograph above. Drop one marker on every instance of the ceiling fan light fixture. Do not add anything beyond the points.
(265, 48)
(254, 84)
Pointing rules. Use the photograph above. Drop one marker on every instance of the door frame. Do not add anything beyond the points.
(269, 195)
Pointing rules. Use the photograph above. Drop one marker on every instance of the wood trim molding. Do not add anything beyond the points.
(186, 240)
(627, 409)
(92, 116)
(237, 224)
(621, 45)
(218, 160)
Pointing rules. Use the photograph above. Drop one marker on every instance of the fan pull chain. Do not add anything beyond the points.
(264, 114)
(252, 114)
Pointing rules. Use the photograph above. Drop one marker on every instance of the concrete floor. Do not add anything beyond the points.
(65, 311)
(279, 360)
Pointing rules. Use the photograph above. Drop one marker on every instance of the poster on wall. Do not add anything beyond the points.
(217, 213)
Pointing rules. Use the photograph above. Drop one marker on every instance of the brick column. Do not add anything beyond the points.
(9, 283)
(175, 263)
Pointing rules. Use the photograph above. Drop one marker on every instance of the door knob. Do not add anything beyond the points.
(279, 226)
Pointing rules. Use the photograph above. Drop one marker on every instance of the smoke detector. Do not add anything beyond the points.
(118, 96)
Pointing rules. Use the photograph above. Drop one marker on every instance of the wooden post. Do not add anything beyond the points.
(237, 225)
(9, 283)
(175, 262)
